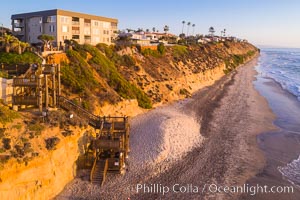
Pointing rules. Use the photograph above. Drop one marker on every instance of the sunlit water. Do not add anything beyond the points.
(283, 66)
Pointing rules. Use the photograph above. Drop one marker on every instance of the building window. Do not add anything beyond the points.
(64, 19)
(19, 29)
(51, 28)
(106, 25)
(51, 19)
(87, 31)
(75, 37)
(96, 24)
(41, 20)
(96, 31)
(65, 29)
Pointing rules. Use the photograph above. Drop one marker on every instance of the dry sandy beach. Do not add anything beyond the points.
(207, 139)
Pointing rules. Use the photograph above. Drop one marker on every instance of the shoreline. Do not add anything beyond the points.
(282, 146)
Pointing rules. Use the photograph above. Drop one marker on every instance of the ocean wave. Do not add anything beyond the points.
(284, 67)
(292, 171)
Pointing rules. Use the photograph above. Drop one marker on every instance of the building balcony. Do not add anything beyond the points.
(18, 33)
(87, 41)
(18, 24)
(75, 23)
(75, 32)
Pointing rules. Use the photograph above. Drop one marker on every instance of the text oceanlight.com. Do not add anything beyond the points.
(212, 188)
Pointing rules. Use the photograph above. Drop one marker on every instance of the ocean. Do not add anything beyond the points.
(283, 67)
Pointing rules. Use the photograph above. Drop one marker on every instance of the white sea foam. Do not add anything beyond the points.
(292, 171)
(284, 67)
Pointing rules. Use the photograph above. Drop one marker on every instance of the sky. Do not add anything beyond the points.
(274, 23)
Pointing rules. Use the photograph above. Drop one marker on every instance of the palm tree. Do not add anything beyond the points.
(8, 41)
(46, 39)
(189, 23)
(211, 30)
(147, 30)
(166, 29)
(193, 28)
(183, 22)
(153, 29)
(21, 46)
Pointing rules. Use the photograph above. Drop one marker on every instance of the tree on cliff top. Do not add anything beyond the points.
(211, 31)
(46, 39)
(8, 41)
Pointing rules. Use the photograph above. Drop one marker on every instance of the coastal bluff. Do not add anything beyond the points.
(109, 87)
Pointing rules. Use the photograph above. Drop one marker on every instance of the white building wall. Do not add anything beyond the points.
(64, 29)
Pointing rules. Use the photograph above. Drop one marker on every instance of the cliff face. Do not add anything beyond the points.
(44, 176)
(105, 75)
(117, 82)
(181, 70)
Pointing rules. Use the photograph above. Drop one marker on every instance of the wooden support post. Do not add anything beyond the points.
(14, 94)
(46, 92)
(54, 88)
(58, 79)
(40, 94)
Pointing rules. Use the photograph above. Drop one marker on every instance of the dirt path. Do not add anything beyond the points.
(231, 113)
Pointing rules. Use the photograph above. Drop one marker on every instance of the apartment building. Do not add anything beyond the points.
(62, 24)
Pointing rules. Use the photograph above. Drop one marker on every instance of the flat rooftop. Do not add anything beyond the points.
(64, 13)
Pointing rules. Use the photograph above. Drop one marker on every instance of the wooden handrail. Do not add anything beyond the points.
(93, 168)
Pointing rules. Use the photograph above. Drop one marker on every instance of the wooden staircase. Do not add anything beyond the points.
(93, 120)
(99, 170)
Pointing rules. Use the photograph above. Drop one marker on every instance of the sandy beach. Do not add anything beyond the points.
(280, 147)
(207, 139)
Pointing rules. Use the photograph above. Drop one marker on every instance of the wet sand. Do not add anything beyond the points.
(282, 146)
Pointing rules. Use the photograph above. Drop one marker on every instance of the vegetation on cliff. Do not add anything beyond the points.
(109, 73)
(79, 77)
(14, 58)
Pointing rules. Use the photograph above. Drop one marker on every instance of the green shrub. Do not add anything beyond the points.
(4, 74)
(108, 50)
(128, 61)
(238, 59)
(7, 115)
(14, 58)
(150, 52)
(107, 70)
(184, 91)
(161, 49)
(38, 128)
(78, 75)
(179, 51)
(17, 126)
(250, 53)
